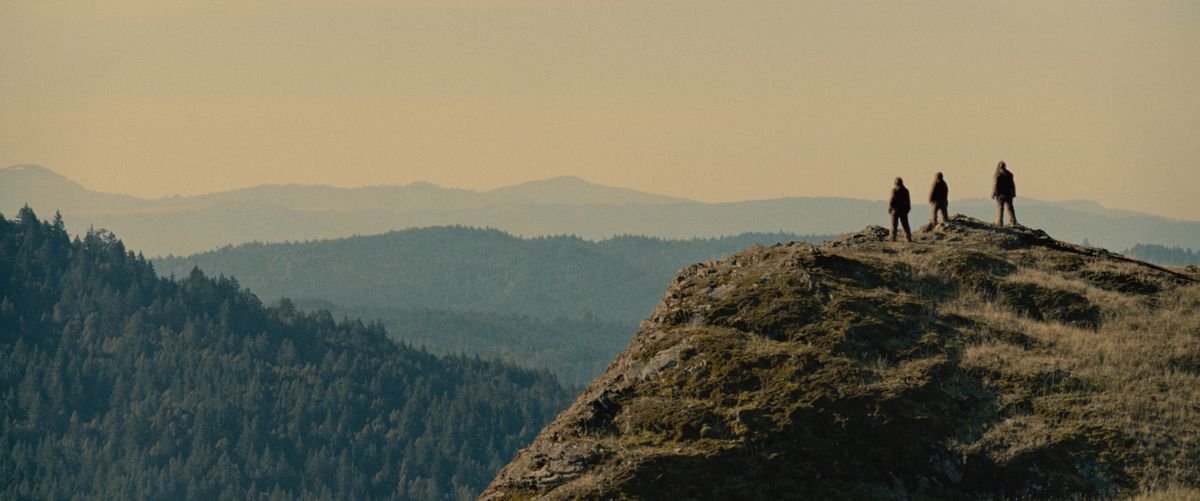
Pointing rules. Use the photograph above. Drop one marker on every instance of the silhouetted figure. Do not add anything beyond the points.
(939, 200)
(898, 207)
(1004, 191)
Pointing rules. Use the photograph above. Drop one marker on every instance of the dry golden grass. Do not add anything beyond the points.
(1137, 374)
(1140, 372)
(1174, 493)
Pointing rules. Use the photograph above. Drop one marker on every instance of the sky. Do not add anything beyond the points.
(709, 100)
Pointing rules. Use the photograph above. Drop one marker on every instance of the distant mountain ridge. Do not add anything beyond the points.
(37, 185)
(564, 205)
(572, 190)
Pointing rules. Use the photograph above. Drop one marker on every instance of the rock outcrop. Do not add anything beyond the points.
(977, 362)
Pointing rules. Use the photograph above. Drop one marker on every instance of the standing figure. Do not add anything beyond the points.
(939, 200)
(898, 207)
(1004, 191)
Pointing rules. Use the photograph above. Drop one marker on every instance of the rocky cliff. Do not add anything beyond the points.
(976, 362)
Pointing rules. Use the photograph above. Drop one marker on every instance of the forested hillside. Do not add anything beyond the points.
(1160, 254)
(467, 269)
(576, 350)
(116, 383)
(562, 302)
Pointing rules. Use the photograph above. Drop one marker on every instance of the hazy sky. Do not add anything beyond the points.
(715, 101)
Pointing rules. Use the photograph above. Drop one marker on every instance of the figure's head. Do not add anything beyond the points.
(939, 176)
(899, 182)
(1001, 166)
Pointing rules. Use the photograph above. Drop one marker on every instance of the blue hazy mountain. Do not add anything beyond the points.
(185, 225)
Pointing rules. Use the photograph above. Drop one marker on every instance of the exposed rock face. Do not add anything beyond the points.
(969, 364)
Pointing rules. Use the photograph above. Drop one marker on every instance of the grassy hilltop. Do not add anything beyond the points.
(977, 362)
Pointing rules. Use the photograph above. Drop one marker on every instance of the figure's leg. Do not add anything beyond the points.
(932, 214)
(907, 231)
(945, 214)
(999, 212)
(1012, 214)
(895, 221)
